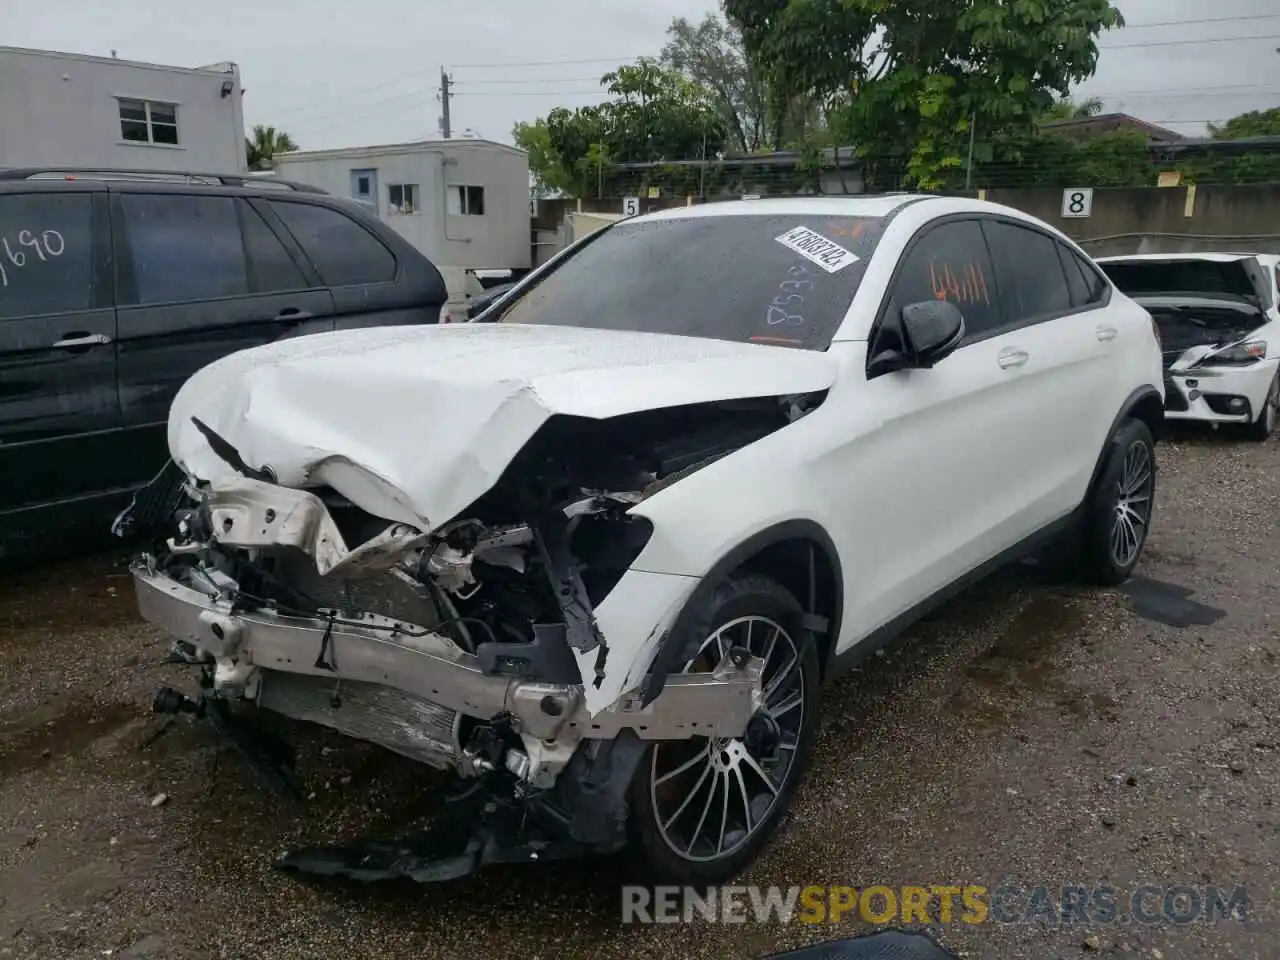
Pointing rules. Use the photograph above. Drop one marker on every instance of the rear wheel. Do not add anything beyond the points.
(1119, 509)
(1265, 425)
(702, 808)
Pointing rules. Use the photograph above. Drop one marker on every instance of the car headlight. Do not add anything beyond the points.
(1250, 351)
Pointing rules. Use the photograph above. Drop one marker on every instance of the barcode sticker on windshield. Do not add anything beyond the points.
(816, 248)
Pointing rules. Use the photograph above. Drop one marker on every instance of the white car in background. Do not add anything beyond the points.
(1219, 319)
(598, 551)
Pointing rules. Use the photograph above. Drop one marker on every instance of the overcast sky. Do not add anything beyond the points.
(344, 74)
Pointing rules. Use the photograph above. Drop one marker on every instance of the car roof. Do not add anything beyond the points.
(873, 205)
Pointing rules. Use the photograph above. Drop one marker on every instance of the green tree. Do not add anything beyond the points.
(904, 80)
(711, 55)
(654, 114)
(265, 142)
(1252, 166)
(1068, 109)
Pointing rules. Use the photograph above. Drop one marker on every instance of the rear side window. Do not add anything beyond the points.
(342, 250)
(46, 254)
(184, 248)
(950, 263)
(271, 268)
(1032, 281)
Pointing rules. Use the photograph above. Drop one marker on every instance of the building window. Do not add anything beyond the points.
(145, 121)
(466, 201)
(403, 198)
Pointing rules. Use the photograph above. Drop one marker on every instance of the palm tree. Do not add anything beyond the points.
(265, 143)
(1068, 109)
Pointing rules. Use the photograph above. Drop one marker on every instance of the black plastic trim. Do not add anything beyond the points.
(676, 640)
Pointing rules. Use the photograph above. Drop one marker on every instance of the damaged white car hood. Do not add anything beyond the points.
(412, 424)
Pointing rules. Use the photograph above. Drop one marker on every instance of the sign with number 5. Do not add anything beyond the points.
(630, 206)
(1077, 201)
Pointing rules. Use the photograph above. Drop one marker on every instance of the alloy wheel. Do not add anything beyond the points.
(1132, 505)
(710, 795)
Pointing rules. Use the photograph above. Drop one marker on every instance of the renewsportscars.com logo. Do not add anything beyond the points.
(937, 904)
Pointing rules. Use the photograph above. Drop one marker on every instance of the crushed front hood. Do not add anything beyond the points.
(414, 423)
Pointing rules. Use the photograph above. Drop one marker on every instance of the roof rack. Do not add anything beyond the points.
(154, 176)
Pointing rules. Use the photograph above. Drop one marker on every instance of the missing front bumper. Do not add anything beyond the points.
(247, 648)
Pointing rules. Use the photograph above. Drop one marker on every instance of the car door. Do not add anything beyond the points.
(938, 474)
(375, 277)
(199, 274)
(59, 414)
(1060, 352)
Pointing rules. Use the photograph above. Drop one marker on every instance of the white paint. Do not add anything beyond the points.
(1077, 202)
(43, 246)
(816, 248)
(917, 477)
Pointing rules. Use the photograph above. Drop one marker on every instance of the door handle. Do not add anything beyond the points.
(1107, 333)
(293, 314)
(78, 338)
(1012, 357)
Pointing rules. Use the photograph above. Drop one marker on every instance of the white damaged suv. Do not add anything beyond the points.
(597, 552)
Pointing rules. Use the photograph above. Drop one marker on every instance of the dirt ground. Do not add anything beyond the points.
(1030, 731)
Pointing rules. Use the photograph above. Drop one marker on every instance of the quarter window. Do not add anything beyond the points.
(342, 250)
(184, 248)
(950, 263)
(1084, 282)
(46, 254)
(148, 121)
(1032, 281)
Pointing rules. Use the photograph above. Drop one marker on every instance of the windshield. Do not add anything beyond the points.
(775, 279)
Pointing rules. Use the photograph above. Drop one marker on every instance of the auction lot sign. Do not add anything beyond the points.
(939, 904)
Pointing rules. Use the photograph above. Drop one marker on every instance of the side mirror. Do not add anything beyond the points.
(932, 330)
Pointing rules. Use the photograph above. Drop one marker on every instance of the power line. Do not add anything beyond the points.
(596, 79)
(533, 93)
(1181, 23)
(547, 63)
(1179, 43)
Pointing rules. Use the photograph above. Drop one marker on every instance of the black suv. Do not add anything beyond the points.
(115, 286)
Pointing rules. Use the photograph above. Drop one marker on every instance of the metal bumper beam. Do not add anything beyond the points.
(431, 666)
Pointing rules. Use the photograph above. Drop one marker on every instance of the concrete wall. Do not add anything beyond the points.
(63, 109)
(1162, 219)
(498, 238)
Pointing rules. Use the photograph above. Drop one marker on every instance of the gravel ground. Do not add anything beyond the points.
(1032, 731)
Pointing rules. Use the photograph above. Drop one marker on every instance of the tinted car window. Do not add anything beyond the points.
(271, 269)
(783, 279)
(1081, 293)
(950, 262)
(46, 254)
(343, 251)
(1031, 278)
(184, 248)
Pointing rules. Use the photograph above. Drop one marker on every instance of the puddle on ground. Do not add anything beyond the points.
(1021, 661)
(35, 740)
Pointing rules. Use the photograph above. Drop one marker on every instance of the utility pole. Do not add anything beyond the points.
(446, 84)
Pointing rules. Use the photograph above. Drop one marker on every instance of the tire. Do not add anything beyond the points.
(668, 807)
(1117, 515)
(1262, 428)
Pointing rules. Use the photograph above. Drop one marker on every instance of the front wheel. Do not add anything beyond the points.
(1265, 425)
(702, 808)
(1118, 513)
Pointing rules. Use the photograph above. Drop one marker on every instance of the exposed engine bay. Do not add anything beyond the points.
(466, 647)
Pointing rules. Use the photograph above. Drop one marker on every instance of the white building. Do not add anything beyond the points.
(64, 109)
(464, 203)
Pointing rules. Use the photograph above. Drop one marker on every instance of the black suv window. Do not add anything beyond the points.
(46, 254)
(184, 248)
(342, 250)
(1087, 285)
(1031, 278)
(271, 269)
(950, 262)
